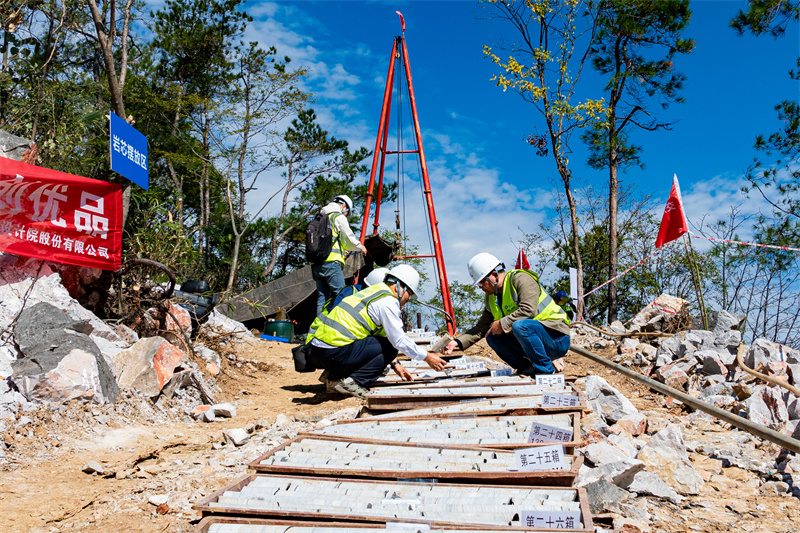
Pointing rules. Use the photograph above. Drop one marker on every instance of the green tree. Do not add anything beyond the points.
(194, 43)
(314, 163)
(783, 146)
(634, 49)
(545, 62)
(263, 94)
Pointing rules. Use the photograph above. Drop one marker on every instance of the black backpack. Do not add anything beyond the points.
(319, 239)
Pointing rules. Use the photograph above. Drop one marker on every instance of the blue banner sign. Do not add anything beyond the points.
(128, 152)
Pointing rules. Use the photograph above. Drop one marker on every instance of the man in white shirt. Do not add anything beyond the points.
(363, 334)
(329, 274)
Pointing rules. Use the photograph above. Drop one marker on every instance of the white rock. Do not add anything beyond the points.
(323, 424)
(665, 455)
(157, 499)
(217, 320)
(224, 410)
(236, 436)
(606, 400)
(7, 355)
(619, 473)
(600, 453)
(648, 483)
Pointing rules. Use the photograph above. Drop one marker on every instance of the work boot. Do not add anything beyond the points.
(323, 378)
(530, 371)
(349, 387)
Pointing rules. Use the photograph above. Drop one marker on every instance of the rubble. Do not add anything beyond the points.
(648, 467)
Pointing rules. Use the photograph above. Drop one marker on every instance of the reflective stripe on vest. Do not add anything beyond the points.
(349, 321)
(547, 309)
(337, 250)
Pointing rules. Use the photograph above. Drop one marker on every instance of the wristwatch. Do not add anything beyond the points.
(393, 364)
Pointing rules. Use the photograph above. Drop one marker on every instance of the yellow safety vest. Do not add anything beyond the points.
(349, 321)
(337, 250)
(548, 309)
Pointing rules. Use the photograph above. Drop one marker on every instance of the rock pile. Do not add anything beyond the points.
(666, 459)
(52, 350)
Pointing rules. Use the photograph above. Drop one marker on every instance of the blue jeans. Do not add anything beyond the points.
(330, 280)
(530, 344)
(363, 360)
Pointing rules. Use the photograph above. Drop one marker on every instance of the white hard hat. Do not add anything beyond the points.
(482, 265)
(407, 275)
(344, 199)
(376, 276)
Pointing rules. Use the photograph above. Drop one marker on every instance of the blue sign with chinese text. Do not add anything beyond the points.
(129, 152)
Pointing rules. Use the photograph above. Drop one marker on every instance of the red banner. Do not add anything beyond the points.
(59, 217)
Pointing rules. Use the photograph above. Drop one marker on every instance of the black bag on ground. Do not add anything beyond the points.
(303, 362)
(319, 239)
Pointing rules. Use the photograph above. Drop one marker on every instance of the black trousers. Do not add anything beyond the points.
(363, 360)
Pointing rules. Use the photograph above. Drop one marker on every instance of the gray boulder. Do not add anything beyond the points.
(12, 146)
(724, 321)
(763, 351)
(58, 360)
(607, 401)
(601, 493)
(648, 483)
(728, 341)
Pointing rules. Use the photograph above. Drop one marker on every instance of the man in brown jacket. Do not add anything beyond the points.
(521, 322)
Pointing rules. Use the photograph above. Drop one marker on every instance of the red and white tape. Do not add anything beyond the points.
(772, 246)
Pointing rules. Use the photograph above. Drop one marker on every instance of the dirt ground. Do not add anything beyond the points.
(43, 488)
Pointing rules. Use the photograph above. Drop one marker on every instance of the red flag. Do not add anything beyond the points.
(673, 223)
(59, 217)
(522, 261)
(402, 21)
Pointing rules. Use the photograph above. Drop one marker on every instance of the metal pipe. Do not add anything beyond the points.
(742, 423)
(448, 317)
(387, 94)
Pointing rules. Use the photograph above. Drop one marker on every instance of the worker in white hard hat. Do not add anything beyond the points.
(521, 322)
(329, 274)
(376, 276)
(363, 334)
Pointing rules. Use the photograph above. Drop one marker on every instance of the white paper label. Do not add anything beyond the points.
(541, 458)
(559, 400)
(500, 372)
(551, 519)
(549, 380)
(544, 433)
(474, 365)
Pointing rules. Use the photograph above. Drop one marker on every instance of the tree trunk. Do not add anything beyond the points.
(204, 204)
(613, 187)
(114, 87)
(237, 239)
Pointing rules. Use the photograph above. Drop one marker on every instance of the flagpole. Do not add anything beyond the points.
(696, 279)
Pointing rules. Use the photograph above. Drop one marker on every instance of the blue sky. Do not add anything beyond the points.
(488, 184)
